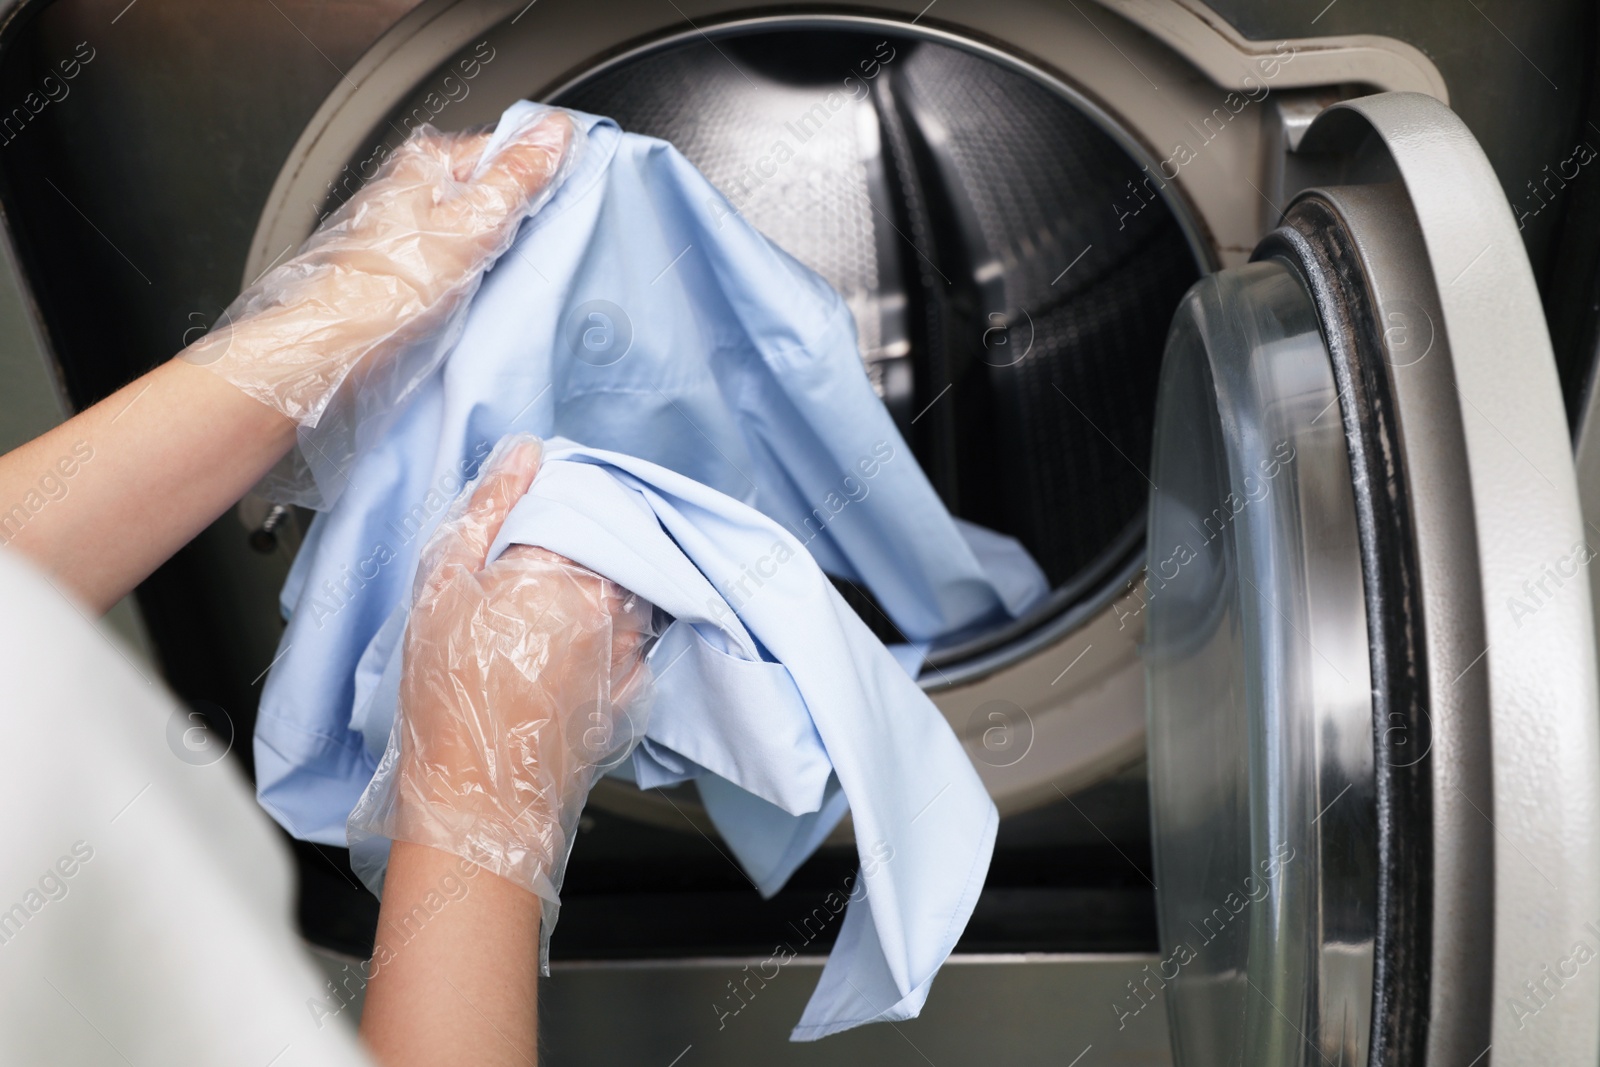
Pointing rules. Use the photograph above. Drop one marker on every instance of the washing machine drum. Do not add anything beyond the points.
(1011, 308)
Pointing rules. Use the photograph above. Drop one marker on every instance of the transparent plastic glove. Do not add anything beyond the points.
(339, 335)
(523, 681)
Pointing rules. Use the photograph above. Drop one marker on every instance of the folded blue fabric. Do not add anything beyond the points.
(725, 422)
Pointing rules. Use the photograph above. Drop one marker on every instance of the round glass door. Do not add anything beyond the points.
(1260, 706)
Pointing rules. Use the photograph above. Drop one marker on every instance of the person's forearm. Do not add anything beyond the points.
(455, 966)
(106, 497)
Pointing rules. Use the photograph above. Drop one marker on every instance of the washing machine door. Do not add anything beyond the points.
(1372, 709)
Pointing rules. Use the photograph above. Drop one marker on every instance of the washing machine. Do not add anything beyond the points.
(1269, 333)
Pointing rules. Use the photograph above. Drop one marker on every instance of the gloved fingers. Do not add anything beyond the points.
(635, 677)
(416, 161)
(463, 540)
(510, 471)
(474, 193)
(607, 595)
(467, 151)
(524, 679)
(632, 618)
(445, 184)
(348, 326)
(519, 171)
(519, 673)
(520, 168)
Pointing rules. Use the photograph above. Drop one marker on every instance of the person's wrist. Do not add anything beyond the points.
(233, 410)
(514, 837)
(260, 359)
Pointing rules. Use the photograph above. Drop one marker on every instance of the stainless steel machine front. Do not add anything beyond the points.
(1285, 773)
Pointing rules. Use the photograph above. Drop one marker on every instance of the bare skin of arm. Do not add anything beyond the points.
(460, 986)
(167, 454)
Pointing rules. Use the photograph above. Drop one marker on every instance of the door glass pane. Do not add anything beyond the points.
(1260, 703)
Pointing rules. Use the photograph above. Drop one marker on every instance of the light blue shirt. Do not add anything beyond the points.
(725, 421)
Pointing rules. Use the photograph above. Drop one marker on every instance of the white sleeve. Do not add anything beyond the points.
(145, 900)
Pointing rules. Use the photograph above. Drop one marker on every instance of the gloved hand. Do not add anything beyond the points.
(523, 680)
(344, 330)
